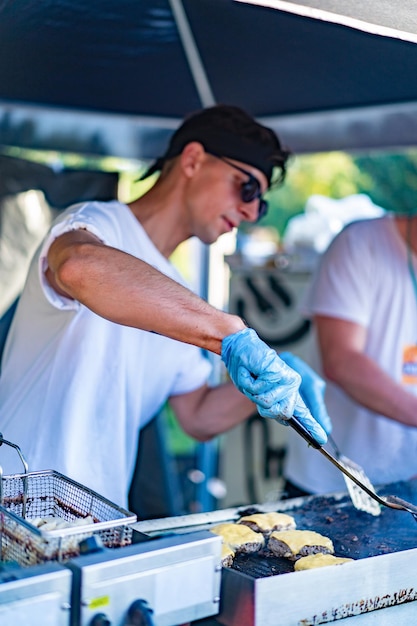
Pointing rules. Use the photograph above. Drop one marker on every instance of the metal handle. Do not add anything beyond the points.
(24, 477)
(18, 450)
(299, 428)
(403, 504)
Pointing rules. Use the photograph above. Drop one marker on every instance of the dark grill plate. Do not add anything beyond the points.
(355, 534)
(259, 566)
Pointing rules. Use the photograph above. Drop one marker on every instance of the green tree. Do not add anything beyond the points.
(390, 179)
(332, 174)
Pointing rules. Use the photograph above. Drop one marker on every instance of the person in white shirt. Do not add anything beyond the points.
(106, 331)
(363, 303)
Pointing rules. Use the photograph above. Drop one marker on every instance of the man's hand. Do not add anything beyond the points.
(311, 389)
(259, 373)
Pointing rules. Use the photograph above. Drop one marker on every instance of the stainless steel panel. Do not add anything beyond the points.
(320, 596)
(35, 596)
(178, 577)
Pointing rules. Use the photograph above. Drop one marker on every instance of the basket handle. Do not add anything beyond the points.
(25, 467)
(18, 450)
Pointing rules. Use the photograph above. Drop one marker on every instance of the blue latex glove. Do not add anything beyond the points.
(259, 373)
(312, 389)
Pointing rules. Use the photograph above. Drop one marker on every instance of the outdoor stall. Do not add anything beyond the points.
(103, 78)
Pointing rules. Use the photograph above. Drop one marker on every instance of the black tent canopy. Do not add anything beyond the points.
(117, 78)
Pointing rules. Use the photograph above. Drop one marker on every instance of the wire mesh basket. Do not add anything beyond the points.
(44, 516)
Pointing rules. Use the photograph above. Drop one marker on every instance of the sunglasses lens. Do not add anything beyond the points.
(263, 208)
(250, 190)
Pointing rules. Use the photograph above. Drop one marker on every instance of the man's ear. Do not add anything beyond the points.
(192, 157)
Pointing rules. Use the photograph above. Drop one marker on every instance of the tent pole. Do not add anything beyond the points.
(193, 56)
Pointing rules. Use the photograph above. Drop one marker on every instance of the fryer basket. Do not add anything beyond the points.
(49, 494)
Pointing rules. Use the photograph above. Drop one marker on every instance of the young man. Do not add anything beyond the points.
(80, 376)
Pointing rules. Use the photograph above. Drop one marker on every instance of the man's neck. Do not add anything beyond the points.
(161, 220)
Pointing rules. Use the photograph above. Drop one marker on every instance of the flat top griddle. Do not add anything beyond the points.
(254, 593)
(355, 534)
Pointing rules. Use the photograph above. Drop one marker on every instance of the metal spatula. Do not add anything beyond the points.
(360, 499)
(390, 501)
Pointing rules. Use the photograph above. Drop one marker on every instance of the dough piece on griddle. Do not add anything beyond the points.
(267, 522)
(239, 537)
(319, 560)
(293, 544)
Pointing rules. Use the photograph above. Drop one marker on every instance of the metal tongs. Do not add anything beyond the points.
(391, 501)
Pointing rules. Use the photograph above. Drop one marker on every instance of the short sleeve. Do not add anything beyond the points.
(83, 216)
(342, 283)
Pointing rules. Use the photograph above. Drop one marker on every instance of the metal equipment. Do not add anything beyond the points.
(103, 579)
(172, 572)
(50, 495)
(35, 596)
(356, 475)
(379, 587)
(169, 581)
(360, 498)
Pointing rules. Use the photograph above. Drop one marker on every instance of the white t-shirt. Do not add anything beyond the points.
(363, 278)
(75, 389)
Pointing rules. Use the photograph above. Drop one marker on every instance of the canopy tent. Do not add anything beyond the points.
(117, 78)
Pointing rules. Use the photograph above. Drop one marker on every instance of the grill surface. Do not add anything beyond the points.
(255, 593)
(355, 534)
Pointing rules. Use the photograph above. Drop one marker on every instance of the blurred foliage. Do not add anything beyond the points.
(389, 178)
(71, 160)
(332, 174)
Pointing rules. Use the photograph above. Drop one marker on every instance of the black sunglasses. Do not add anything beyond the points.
(250, 190)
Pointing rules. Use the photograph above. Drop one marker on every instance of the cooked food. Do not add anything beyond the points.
(55, 523)
(267, 522)
(293, 544)
(227, 555)
(319, 560)
(45, 547)
(239, 537)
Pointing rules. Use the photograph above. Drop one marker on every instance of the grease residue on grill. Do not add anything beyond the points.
(362, 606)
(355, 534)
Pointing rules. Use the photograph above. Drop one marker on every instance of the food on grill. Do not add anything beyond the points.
(239, 537)
(227, 555)
(267, 522)
(319, 560)
(293, 544)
